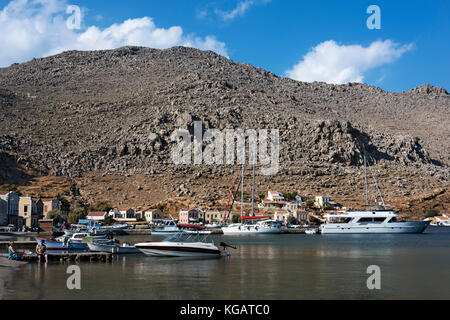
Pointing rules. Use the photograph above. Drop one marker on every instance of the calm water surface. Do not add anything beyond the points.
(262, 267)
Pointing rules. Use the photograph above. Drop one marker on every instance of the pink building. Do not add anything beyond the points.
(189, 216)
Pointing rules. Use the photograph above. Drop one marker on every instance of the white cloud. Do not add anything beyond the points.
(240, 9)
(334, 63)
(36, 28)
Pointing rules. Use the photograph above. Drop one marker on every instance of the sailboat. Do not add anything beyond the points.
(378, 220)
(253, 224)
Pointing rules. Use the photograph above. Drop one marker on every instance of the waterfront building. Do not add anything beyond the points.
(214, 217)
(123, 214)
(300, 215)
(30, 211)
(50, 204)
(323, 201)
(275, 196)
(190, 216)
(97, 215)
(152, 215)
(9, 208)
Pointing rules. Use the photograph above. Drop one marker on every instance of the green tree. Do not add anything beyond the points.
(109, 220)
(236, 218)
(262, 196)
(65, 204)
(314, 220)
(77, 214)
(290, 196)
(292, 220)
(52, 214)
(309, 203)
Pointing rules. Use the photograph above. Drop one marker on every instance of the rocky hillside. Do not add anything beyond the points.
(113, 111)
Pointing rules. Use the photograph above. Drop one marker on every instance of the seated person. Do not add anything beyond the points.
(41, 250)
(12, 252)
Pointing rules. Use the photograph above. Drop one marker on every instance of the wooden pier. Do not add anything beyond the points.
(69, 256)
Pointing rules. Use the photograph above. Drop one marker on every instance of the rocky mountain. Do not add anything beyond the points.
(76, 114)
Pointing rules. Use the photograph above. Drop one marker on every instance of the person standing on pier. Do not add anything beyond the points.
(41, 250)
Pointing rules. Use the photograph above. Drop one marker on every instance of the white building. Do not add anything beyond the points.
(275, 196)
(97, 216)
(123, 214)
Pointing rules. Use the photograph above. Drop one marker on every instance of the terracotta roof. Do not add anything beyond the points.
(4, 192)
(442, 217)
(96, 214)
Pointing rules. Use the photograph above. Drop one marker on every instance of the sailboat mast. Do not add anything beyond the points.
(242, 190)
(365, 179)
(253, 192)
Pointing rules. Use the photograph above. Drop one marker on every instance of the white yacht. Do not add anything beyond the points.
(260, 224)
(370, 222)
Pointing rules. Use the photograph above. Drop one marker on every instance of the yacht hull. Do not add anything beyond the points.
(374, 228)
(168, 249)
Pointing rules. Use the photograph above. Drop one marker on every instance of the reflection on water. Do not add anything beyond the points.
(262, 267)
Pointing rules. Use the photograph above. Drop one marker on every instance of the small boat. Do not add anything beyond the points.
(183, 245)
(169, 227)
(310, 231)
(77, 242)
(113, 248)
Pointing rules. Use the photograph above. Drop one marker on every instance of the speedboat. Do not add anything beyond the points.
(182, 245)
(370, 222)
(254, 225)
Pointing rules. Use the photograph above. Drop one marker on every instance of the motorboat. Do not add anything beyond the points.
(113, 248)
(370, 222)
(310, 231)
(183, 245)
(254, 225)
(58, 244)
(377, 221)
(169, 226)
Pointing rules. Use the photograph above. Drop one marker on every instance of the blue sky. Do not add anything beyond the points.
(411, 48)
